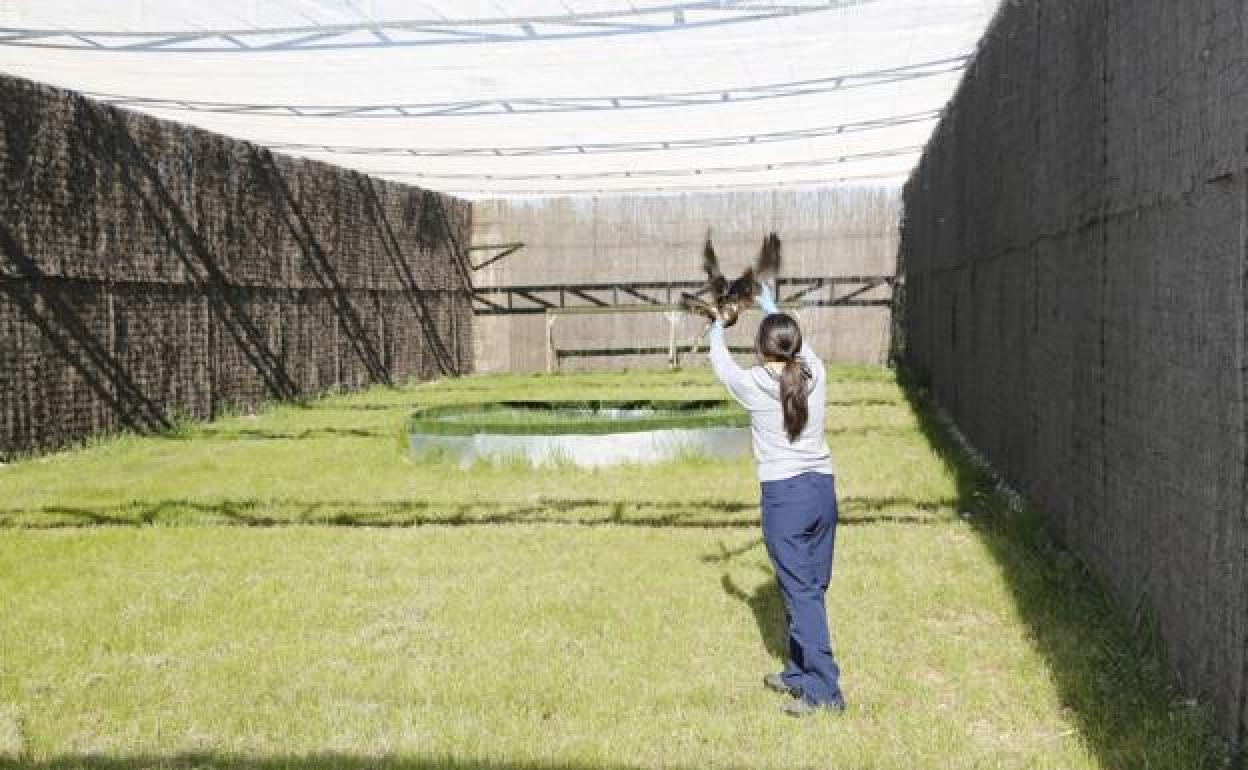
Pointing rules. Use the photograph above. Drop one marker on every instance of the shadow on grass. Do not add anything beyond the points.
(765, 602)
(768, 608)
(329, 406)
(255, 512)
(845, 402)
(253, 434)
(1109, 674)
(872, 430)
(728, 554)
(206, 761)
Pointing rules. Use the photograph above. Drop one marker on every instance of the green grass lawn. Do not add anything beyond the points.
(292, 590)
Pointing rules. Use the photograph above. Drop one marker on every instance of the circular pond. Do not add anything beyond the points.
(585, 433)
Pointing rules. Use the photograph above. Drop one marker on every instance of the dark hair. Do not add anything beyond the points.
(779, 339)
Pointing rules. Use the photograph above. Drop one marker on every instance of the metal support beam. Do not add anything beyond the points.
(502, 250)
(655, 296)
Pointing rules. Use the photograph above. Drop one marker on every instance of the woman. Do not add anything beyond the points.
(785, 398)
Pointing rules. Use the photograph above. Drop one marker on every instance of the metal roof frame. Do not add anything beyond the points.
(425, 32)
(530, 105)
(590, 148)
(664, 172)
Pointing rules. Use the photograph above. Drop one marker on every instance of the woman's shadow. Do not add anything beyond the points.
(765, 602)
(768, 608)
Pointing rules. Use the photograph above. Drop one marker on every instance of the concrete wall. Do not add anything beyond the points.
(1074, 257)
(149, 268)
(659, 238)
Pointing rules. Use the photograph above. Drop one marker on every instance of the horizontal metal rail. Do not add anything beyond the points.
(661, 296)
(639, 351)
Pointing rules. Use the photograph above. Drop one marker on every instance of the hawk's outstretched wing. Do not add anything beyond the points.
(715, 280)
(769, 258)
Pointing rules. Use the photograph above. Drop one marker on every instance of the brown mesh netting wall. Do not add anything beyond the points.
(1073, 250)
(149, 270)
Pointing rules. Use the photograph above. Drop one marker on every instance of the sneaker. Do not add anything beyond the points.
(776, 683)
(798, 707)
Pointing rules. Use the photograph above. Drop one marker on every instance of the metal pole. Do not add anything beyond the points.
(672, 319)
(552, 358)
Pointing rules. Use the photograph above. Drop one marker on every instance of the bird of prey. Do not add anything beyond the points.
(729, 298)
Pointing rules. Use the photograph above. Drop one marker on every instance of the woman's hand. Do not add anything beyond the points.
(713, 317)
(766, 302)
(714, 331)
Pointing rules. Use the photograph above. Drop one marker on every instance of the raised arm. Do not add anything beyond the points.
(766, 302)
(734, 378)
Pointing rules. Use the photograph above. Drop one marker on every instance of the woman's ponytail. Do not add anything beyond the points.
(780, 339)
(793, 398)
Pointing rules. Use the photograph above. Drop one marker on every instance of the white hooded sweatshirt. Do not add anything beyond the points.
(758, 390)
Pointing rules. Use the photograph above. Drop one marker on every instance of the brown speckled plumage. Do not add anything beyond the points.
(727, 299)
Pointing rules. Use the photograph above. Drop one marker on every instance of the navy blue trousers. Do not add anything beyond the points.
(799, 529)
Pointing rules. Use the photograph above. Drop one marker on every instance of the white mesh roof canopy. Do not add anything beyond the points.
(490, 99)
